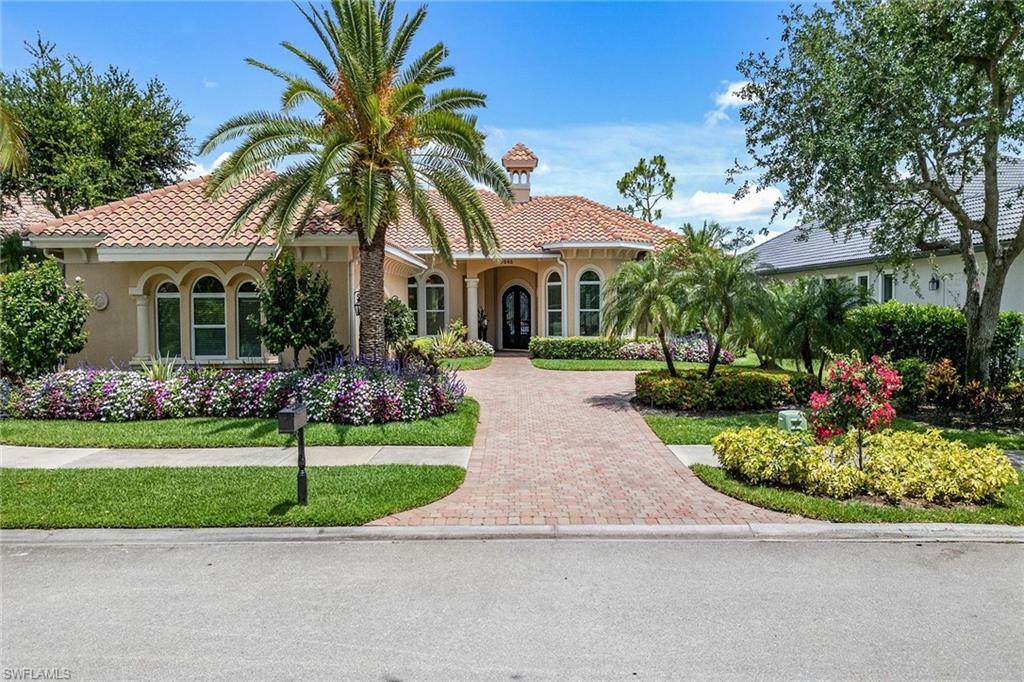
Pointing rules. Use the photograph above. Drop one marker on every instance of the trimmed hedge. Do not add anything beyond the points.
(733, 390)
(575, 347)
(932, 333)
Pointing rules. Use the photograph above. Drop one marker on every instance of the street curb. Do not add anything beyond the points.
(764, 532)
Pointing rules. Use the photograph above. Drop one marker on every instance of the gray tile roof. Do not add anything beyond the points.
(812, 247)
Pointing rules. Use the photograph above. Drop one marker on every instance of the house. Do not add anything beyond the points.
(937, 276)
(167, 280)
(18, 215)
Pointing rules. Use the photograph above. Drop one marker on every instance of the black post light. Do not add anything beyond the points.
(292, 420)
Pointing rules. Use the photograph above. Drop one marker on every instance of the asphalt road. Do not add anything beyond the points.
(514, 610)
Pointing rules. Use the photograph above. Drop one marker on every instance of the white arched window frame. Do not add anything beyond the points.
(247, 313)
(588, 302)
(435, 294)
(168, 320)
(554, 319)
(209, 319)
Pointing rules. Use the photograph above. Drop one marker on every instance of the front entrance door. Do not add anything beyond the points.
(515, 317)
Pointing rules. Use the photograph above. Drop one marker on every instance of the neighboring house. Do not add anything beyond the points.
(17, 216)
(167, 280)
(940, 279)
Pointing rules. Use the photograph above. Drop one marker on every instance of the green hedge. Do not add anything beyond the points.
(931, 333)
(732, 390)
(574, 347)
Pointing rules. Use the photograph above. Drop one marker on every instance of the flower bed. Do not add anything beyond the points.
(693, 348)
(898, 465)
(347, 395)
(728, 390)
(690, 348)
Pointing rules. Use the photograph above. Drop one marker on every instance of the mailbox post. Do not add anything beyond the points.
(292, 419)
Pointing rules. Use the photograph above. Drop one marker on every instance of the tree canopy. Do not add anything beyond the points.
(91, 137)
(644, 186)
(886, 118)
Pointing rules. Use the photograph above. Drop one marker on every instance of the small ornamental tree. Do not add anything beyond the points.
(855, 396)
(41, 319)
(295, 307)
(399, 321)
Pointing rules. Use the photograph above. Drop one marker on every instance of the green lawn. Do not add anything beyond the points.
(457, 428)
(215, 496)
(468, 363)
(630, 365)
(697, 430)
(1009, 510)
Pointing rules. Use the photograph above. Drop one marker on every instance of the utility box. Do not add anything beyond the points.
(792, 420)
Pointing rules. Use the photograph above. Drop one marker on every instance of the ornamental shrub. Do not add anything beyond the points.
(855, 396)
(41, 319)
(399, 321)
(803, 385)
(932, 333)
(981, 403)
(1013, 396)
(898, 465)
(729, 390)
(942, 387)
(575, 347)
(352, 394)
(913, 374)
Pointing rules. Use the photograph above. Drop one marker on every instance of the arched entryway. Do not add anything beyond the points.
(515, 318)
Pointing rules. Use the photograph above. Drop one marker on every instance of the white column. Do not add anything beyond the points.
(472, 307)
(141, 327)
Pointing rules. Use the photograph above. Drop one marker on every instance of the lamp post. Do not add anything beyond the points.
(292, 420)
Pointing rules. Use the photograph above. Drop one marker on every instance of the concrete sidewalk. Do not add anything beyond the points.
(18, 457)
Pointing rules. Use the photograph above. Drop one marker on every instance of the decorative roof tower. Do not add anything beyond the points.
(520, 162)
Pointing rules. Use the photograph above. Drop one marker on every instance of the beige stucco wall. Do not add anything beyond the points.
(948, 269)
(113, 336)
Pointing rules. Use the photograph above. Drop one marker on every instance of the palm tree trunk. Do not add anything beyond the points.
(372, 347)
(667, 352)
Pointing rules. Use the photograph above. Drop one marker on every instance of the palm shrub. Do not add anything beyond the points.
(374, 139)
(642, 296)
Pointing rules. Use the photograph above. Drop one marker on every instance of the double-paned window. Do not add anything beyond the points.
(248, 323)
(168, 320)
(590, 303)
(554, 302)
(209, 326)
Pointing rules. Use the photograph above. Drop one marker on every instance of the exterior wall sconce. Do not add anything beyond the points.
(933, 283)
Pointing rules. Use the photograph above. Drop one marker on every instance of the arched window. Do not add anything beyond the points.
(209, 328)
(435, 300)
(168, 321)
(589, 297)
(554, 301)
(248, 323)
(414, 294)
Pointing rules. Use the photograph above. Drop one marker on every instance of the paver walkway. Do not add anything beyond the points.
(568, 448)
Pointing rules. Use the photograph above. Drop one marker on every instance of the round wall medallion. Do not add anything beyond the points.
(100, 300)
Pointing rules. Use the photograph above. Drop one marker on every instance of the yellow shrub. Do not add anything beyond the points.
(898, 465)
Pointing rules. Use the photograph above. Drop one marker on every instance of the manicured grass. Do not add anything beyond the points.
(468, 363)
(215, 496)
(457, 428)
(699, 430)
(1009, 510)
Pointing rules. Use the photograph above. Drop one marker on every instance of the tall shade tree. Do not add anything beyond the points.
(892, 112)
(648, 183)
(375, 139)
(13, 155)
(643, 296)
(91, 136)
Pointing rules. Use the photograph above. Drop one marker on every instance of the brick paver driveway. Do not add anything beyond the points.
(567, 447)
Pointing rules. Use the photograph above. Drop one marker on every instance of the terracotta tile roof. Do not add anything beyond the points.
(519, 155)
(180, 215)
(18, 215)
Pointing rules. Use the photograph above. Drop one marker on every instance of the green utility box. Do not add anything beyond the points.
(792, 420)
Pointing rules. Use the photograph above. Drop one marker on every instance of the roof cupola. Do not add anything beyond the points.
(520, 162)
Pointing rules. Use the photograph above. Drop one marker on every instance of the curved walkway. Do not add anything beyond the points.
(568, 448)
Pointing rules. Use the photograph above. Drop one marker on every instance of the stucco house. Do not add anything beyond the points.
(167, 280)
(938, 276)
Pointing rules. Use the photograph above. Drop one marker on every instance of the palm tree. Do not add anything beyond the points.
(13, 139)
(643, 296)
(800, 305)
(723, 291)
(762, 333)
(814, 314)
(376, 141)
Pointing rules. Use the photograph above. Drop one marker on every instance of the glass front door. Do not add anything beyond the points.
(515, 316)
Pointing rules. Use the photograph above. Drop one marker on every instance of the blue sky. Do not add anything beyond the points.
(590, 87)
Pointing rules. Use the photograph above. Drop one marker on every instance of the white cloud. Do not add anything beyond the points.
(589, 160)
(209, 84)
(727, 98)
(198, 169)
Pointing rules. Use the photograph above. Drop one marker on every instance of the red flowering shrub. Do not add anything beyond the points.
(855, 396)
